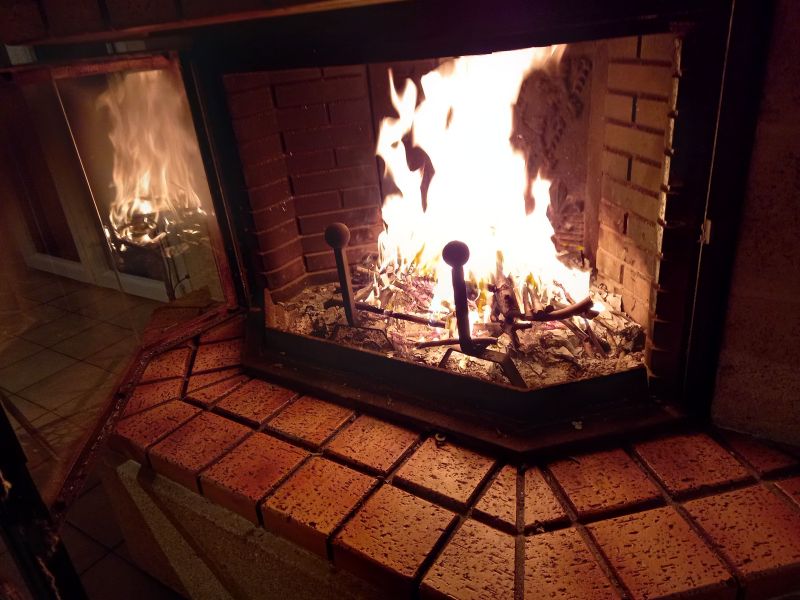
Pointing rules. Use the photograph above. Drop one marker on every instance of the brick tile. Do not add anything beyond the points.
(310, 420)
(378, 543)
(265, 172)
(542, 508)
(317, 203)
(640, 78)
(172, 363)
(766, 460)
(343, 71)
(286, 275)
(498, 505)
(195, 445)
(217, 355)
(448, 472)
(371, 443)
(657, 555)
(791, 487)
(363, 196)
(302, 117)
(270, 195)
(601, 482)
(249, 102)
(255, 127)
(304, 140)
(242, 82)
(255, 401)
(310, 92)
(249, 472)
(628, 139)
(336, 179)
(349, 156)
(288, 75)
(690, 463)
(478, 562)
(351, 111)
(263, 150)
(149, 394)
(558, 564)
(207, 388)
(231, 329)
(298, 163)
(133, 435)
(758, 533)
(314, 501)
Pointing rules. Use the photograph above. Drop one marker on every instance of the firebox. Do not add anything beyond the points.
(495, 228)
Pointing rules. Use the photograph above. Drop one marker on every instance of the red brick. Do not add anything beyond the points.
(690, 463)
(289, 75)
(217, 355)
(78, 16)
(255, 127)
(194, 446)
(658, 46)
(498, 505)
(765, 459)
(478, 562)
(269, 195)
(172, 363)
(640, 78)
(358, 236)
(302, 117)
(259, 151)
(363, 196)
(255, 401)
(288, 273)
(298, 163)
(351, 111)
(372, 444)
(629, 139)
(313, 92)
(149, 394)
(133, 435)
(317, 203)
(21, 21)
(280, 232)
(208, 387)
(249, 102)
(281, 213)
(657, 555)
(353, 218)
(758, 533)
(448, 472)
(282, 255)
(326, 260)
(603, 482)
(314, 501)
(264, 172)
(343, 71)
(349, 156)
(389, 537)
(542, 508)
(242, 82)
(310, 420)
(249, 472)
(791, 487)
(305, 140)
(231, 329)
(558, 564)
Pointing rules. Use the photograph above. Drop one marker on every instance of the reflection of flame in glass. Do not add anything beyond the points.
(477, 192)
(153, 144)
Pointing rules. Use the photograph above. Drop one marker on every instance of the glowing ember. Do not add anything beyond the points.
(154, 183)
(478, 189)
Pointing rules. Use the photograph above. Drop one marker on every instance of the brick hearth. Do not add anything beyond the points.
(706, 514)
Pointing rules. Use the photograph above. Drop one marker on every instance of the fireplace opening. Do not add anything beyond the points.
(543, 172)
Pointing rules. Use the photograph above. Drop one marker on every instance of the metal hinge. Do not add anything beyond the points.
(705, 232)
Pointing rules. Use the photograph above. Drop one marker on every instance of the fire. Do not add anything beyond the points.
(153, 178)
(480, 182)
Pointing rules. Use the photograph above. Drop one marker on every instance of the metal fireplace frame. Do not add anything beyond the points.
(724, 48)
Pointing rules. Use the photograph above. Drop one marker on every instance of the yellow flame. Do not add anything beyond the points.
(477, 193)
(153, 144)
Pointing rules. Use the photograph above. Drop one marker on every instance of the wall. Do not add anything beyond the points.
(758, 379)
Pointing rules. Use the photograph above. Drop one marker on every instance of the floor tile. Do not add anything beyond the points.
(29, 410)
(92, 340)
(92, 514)
(14, 349)
(114, 579)
(82, 550)
(33, 369)
(81, 383)
(19, 321)
(115, 357)
(62, 328)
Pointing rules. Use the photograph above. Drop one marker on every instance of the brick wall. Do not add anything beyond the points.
(306, 144)
(637, 138)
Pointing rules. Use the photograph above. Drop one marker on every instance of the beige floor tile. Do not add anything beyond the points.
(115, 358)
(19, 321)
(60, 329)
(50, 291)
(92, 340)
(14, 349)
(138, 317)
(29, 410)
(32, 369)
(83, 384)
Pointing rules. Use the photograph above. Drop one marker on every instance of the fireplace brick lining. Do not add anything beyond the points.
(416, 539)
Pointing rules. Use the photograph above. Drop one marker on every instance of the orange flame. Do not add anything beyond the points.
(477, 193)
(153, 145)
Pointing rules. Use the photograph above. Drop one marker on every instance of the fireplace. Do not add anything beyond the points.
(497, 227)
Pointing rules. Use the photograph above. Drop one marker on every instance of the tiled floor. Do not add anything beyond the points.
(63, 345)
(95, 545)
